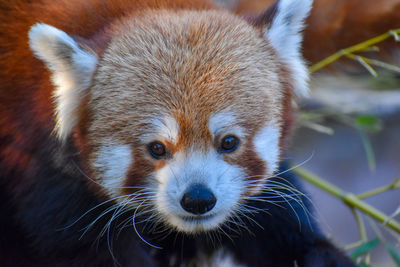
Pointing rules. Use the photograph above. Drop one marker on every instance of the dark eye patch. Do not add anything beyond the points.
(229, 144)
(157, 149)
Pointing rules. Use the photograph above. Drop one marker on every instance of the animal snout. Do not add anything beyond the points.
(198, 199)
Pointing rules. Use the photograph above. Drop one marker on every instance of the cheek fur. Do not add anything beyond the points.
(249, 161)
(259, 157)
(267, 146)
(112, 164)
(140, 171)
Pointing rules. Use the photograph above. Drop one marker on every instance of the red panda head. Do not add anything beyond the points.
(183, 113)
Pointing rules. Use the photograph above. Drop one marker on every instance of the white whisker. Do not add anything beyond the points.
(137, 232)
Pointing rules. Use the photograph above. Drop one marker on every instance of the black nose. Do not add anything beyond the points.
(198, 200)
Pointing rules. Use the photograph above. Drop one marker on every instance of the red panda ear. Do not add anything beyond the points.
(72, 68)
(282, 24)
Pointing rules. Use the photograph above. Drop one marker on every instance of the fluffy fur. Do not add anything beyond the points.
(72, 69)
(284, 37)
(209, 91)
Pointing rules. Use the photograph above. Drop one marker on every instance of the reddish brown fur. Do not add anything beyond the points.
(250, 162)
(215, 67)
(288, 109)
(28, 78)
(139, 171)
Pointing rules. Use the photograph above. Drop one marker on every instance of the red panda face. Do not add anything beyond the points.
(184, 111)
(187, 105)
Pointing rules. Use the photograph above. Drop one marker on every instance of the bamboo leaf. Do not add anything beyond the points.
(369, 123)
(369, 151)
(364, 248)
(394, 254)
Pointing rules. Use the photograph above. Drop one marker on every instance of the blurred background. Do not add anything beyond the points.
(350, 125)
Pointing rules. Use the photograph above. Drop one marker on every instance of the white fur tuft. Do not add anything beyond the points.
(225, 123)
(285, 36)
(113, 161)
(71, 67)
(267, 146)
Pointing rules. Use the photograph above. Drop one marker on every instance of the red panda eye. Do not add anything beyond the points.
(156, 149)
(229, 144)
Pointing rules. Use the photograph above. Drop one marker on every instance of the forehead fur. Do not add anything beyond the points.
(188, 65)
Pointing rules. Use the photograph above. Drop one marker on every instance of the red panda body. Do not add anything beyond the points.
(128, 128)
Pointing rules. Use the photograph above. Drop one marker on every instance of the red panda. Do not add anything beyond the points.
(149, 133)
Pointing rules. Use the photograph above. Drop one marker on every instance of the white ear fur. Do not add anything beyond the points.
(285, 36)
(71, 67)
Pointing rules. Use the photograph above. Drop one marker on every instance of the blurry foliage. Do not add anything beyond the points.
(366, 125)
(364, 248)
(386, 80)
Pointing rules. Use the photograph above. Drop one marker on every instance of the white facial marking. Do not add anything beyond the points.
(224, 123)
(224, 180)
(285, 36)
(267, 146)
(71, 67)
(165, 128)
(113, 161)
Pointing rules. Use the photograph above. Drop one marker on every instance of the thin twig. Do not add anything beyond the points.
(348, 198)
(362, 230)
(379, 190)
(355, 48)
(367, 62)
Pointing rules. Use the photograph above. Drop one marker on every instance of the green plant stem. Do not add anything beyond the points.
(360, 224)
(348, 198)
(379, 190)
(358, 47)
(362, 230)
